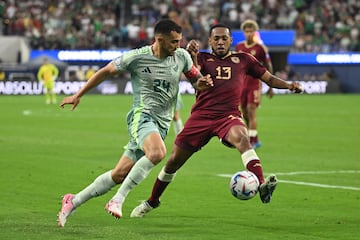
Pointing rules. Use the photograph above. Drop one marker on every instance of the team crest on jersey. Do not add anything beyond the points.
(235, 59)
(253, 52)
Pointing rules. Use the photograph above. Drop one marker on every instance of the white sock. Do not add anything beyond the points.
(102, 184)
(248, 156)
(253, 133)
(138, 173)
(166, 177)
(178, 126)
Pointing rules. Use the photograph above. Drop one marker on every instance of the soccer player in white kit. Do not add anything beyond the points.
(155, 73)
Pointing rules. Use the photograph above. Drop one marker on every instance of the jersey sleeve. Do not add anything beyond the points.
(200, 60)
(203, 61)
(122, 63)
(255, 68)
(40, 72)
(267, 55)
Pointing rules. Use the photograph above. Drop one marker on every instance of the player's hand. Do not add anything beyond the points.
(270, 93)
(295, 87)
(204, 83)
(74, 100)
(193, 47)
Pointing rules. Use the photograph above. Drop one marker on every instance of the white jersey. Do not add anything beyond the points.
(155, 81)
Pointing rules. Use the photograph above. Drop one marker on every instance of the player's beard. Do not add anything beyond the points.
(223, 52)
(171, 52)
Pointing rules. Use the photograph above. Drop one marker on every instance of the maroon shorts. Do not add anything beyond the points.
(250, 96)
(201, 127)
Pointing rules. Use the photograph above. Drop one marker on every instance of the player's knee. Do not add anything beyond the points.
(174, 163)
(240, 140)
(156, 155)
(237, 135)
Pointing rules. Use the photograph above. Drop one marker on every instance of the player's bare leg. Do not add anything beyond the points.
(167, 174)
(238, 138)
(252, 126)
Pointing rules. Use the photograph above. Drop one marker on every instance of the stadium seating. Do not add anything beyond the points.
(104, 24)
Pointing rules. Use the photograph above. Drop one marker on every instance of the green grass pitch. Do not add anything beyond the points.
(312, 142)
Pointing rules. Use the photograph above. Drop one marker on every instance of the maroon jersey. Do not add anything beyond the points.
(216, 109)
(227, 74)
(258, 51)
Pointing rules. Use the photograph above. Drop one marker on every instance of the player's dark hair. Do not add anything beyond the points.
(219, 25)
(166, 26)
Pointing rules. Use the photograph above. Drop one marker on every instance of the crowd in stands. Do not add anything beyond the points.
(320, 25)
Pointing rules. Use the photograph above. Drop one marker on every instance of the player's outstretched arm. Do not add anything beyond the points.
(276, 82)
(95, 80)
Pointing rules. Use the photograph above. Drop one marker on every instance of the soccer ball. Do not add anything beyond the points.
(244, 185)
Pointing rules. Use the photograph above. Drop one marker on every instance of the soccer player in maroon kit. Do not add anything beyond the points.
(216, 113)
(251, 87)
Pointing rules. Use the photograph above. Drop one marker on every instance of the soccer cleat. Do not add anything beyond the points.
(66, 209)
(256, 145)
(114, 208)
(141, 210)
(267, 188)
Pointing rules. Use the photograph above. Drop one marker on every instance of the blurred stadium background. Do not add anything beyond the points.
(309, 140)
(316, 42)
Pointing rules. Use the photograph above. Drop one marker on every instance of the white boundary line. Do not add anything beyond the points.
(313, 184)
(320, 185)
(317, 172)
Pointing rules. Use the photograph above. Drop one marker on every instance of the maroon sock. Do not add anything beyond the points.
(158, 188)
(255, 167)
(254, 140)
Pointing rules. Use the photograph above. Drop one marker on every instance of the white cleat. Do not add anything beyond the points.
(66, 209)
(114, 208)
(141, 210)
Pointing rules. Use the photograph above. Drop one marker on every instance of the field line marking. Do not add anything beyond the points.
(319, 185)
(317, 172)
(306, 173)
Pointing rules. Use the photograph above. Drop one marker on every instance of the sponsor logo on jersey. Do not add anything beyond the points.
(146, 70)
